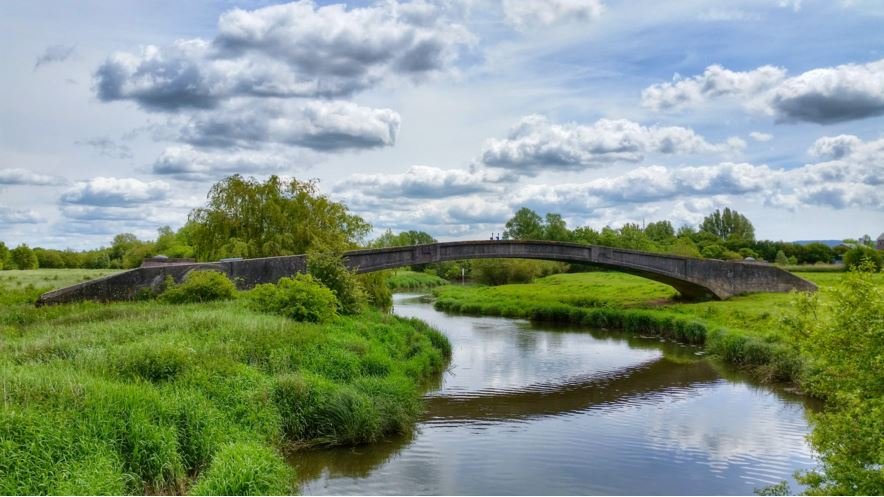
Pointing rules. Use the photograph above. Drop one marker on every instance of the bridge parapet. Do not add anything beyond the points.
(691, 277)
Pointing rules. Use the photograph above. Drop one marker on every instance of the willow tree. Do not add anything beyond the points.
(245, 217)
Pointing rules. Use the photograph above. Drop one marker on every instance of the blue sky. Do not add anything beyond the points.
(445, 116)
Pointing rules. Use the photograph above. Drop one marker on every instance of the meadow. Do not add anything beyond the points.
(747, 331)
(150, 397)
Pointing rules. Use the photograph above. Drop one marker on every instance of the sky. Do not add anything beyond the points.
(445, 116)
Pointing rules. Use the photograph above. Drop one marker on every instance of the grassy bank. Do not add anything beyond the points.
(203, 398)
(746, 331)
(412, 280)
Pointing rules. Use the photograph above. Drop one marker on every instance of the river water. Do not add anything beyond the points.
(536, 409)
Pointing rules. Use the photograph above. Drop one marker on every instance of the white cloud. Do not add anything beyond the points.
(760, 137)
(18, 176)
(835, 147)
(716, 81)
(824, 96)
(12, 215)
(795, 5)
(291, 50)
(532, 14)
(116, 192)
(424, 182)
(192, 164)
(534, 144)
(319, 125)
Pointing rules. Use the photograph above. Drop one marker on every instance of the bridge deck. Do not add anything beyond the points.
(691, 277)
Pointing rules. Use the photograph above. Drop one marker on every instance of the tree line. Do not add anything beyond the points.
(245, 217)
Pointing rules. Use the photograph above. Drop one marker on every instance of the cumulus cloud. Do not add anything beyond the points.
(651, 184)
(524, 15)
(535, 144)
(11, 215)
(830, 95)
(835, 147)
(760, 137)
(293, 50)
(192, 164)
(18, 176)
(424, 182)
(854, 180)
(823, 96)
(318, 125)
(716, 81)
(116, 192)
(54, 54)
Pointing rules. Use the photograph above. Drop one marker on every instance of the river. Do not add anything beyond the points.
(538, 409)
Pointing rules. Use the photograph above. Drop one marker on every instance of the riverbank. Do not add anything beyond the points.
(407, 281)
(745, 331)
(205, 398)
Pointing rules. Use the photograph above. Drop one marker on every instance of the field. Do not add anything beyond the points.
(748, 331)
(153, 398)
(50, 278)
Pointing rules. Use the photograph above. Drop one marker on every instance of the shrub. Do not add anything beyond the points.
(301, 298)
(377, 291)
(331, 272)
(855, 256)
(713, 251)
(504, 271)
(200, 286)
(246, 469)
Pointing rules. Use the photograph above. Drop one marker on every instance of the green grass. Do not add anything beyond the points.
(747, 331)
(50, 278)
(150, 397)
(412, 280)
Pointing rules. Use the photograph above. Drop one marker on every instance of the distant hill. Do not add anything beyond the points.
(831, 243)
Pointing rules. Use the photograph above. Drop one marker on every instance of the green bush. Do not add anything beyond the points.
(301, 298)
(855, 256)
(246, 469)
(200, 286)
(377, 292)
(331, 271)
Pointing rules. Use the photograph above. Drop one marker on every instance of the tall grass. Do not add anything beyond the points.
(150, 397)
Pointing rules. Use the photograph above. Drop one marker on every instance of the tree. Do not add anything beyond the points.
(248, 218)
(855, 257)
(841, 338)
(4, 256)
(24, 258)
(403, 239)
(47, 258)
(661, 232)
(713, 251)
(816, 252)
(685, 247)
(781, 259)
(729, 225)
(556, 229)
(525, 225)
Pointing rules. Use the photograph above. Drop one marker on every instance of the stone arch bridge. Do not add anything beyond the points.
(693, 278)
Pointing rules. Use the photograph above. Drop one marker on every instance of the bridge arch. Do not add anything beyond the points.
(691, 277)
